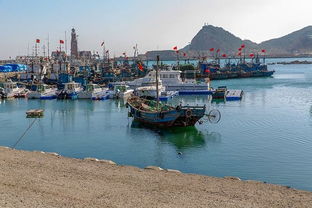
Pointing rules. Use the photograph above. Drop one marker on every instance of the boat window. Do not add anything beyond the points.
(171, 75)
(165, 76)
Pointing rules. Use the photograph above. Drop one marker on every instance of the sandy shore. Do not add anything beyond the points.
(34, 179)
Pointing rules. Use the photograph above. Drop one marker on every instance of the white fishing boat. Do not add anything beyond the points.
(70, 91)
(121, 91)
(42, 91)
(172, 81)
(10, 90)
(94, 92)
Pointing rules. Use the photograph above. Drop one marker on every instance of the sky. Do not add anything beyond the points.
(152, 24)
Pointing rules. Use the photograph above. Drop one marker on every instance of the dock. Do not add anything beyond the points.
(232, 95)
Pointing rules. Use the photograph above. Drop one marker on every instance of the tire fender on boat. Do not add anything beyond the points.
(188, 113)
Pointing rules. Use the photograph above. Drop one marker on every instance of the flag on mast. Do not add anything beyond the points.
(140, 66)
(175, 48)
(37, 40)
(61, 41)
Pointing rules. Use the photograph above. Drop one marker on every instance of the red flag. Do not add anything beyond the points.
(61, 41)
(263, 50)
(224, 55)
(211, 49)
(140, 67)
(184, 54)
(102, 43)
(243, 46)
(37, 40)
(251, 55)
(240, 49)
(218, 50)
(239, 54)
(175, 48)
(177, 51)
(207, 70)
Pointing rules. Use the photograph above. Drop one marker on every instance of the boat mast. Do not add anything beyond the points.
(157, 90)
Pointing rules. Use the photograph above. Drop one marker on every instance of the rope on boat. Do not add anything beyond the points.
(24, 133)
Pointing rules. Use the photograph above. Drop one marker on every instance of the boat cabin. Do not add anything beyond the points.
(92, 87)
(121, 88)
(10, 85)
(71, 86)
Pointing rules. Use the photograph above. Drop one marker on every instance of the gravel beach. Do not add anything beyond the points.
(35, 179)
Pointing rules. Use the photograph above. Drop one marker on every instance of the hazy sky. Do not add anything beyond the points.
(152, 24)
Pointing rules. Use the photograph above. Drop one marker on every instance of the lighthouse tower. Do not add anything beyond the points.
(74, 44)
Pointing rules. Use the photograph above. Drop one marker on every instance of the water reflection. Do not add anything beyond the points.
(182, 137)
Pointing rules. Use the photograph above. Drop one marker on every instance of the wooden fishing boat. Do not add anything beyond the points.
(157, 114)
(147, 112)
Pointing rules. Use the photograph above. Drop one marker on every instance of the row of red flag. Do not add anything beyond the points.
(61, 41)
(175, 48)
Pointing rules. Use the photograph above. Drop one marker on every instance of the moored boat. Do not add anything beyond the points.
(94, 92)
(146, 112)
(11, 90)
(121, 91)
(70, 91)
(42, 91)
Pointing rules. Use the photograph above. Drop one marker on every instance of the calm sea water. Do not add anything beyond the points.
(267, 136)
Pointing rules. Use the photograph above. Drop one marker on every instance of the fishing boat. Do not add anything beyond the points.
(11, 90)
(171, 80)
(156, 114)
(121, 91)
(42, 91)
(94, 92)
(70, 91)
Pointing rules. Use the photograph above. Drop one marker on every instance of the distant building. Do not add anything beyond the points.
(85, 54)
(74, 44)
(57, 54)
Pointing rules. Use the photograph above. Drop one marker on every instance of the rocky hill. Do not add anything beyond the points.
(218, 38)
(298, 43)
(294, 44)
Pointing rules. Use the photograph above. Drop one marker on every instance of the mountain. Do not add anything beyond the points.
(298, 43)
(216, 37)
(294, 44)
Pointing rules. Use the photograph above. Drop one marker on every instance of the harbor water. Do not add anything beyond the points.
(267, 136)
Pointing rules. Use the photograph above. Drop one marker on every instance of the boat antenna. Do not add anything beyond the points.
(157, 90)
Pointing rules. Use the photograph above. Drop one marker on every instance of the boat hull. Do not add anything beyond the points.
(181, 116)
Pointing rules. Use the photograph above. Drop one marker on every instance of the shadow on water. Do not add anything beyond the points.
(182, 137)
